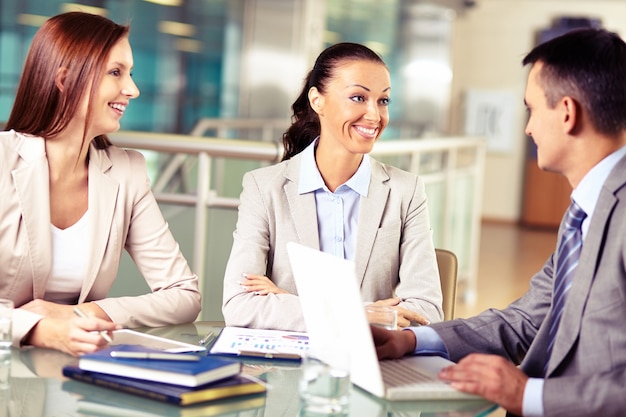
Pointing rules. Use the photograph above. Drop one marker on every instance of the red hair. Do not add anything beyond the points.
(78, 44)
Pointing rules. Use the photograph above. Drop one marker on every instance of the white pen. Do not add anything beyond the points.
(155, 355)
(207, 339)
(270, 355)
(103, 333)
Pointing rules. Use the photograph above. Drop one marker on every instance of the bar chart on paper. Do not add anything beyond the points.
(269, 344)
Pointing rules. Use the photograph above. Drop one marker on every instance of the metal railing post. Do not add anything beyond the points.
(270, 152)
(202, 206)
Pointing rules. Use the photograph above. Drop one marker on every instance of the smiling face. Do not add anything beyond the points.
(353, 110)
(115, 90)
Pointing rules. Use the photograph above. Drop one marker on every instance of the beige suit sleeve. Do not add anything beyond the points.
(395, 249)
(261, 221)
(141, 229)
(419, 284)
(397, 254)
(23, 322)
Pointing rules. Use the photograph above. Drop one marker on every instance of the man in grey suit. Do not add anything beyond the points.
(570, 345)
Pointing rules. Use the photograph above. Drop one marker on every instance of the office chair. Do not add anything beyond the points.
(448, 272)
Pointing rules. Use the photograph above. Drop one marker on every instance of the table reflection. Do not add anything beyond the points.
(37, 388)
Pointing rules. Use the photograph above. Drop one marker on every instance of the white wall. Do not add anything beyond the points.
(490, 40)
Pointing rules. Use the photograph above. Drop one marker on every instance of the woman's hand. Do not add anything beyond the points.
(74, 336)
(63, 311)
(49, 309)
(260, 285)
(405, 316)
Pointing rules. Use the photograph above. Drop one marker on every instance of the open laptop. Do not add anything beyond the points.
(334, 314)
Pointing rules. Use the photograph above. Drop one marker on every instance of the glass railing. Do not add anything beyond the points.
(197, 180)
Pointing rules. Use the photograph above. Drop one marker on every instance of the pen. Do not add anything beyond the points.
(103, 333)
(269, 355)
(155, 355)
(207, 339)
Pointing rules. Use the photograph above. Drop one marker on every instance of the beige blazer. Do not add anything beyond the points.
(127, 217)
(586, 373)
(394, 252)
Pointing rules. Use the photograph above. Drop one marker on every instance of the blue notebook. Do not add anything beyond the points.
(237, 386)
(179, 372)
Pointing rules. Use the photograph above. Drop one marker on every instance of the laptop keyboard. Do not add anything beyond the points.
(398, 373)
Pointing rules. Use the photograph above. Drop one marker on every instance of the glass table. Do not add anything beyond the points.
(38, 388)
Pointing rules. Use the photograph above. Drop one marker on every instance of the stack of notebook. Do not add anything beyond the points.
(177, 378)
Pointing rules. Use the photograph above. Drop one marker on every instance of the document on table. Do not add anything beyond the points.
(268, 344)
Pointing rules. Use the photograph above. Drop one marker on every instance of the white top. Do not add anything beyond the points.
(70, 250)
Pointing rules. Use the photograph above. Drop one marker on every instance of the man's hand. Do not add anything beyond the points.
(490, 376)
(393, 343)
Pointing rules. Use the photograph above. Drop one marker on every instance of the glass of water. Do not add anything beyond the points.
(382, 316)
(325, 381)
(6, 316)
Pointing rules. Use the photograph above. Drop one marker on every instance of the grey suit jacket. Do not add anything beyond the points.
(394, 250)
(586, 373)
(124, 215)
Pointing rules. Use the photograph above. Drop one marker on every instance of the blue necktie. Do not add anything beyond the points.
(568, 254)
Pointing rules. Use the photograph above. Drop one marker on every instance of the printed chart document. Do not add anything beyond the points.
(268, 344)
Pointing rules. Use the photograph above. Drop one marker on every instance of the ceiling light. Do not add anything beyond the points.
(166, 2)
(331, 37)
(377, 47)
(77, 7)
(189, 45)
(177, 28)
(429, 69)
(31, 19)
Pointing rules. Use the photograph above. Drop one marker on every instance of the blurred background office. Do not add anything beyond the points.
(229, 69)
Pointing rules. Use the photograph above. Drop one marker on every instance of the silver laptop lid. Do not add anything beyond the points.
(333, 311)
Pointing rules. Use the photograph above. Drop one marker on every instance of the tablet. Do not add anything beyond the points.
(132, 337)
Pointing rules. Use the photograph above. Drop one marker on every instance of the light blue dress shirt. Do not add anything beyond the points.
(586, 196)
(338, 212)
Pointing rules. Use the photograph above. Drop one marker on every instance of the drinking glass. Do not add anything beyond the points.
(325, 381)
(382, 316)
(6, 317)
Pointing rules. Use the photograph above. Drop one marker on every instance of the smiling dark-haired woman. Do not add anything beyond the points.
(329, 194)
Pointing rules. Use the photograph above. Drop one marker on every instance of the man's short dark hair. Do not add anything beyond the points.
(588, 65)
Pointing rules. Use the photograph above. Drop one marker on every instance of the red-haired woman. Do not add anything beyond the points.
(71, 202)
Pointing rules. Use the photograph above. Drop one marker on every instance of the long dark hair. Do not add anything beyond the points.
(588, 65)
(305, 126)
(77, 42)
